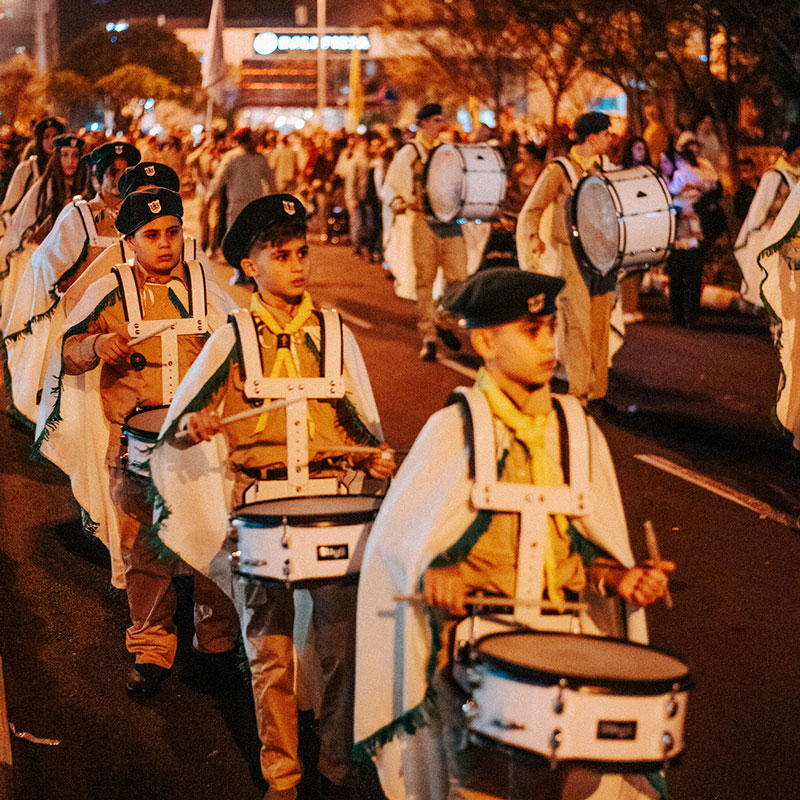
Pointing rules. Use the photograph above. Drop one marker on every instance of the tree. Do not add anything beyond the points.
(21, 96)
(70, 92)
(101, 52)
(133, 82)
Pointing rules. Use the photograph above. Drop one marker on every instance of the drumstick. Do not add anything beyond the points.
(652, 551)
(499, 602)
(142, 336)
(251, 412)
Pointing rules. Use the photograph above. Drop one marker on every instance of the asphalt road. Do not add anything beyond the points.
(700, 400)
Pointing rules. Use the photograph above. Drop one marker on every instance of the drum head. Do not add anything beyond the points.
(546, 658)
(597, 223)
(310, 512)
(147, 423)
(444, 183)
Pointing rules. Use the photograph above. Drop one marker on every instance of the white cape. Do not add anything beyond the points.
(72, 430)
(780, 292)
(756, 233)
(426, 510)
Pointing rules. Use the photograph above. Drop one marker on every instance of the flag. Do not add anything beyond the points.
(214, 70)
(355, 103)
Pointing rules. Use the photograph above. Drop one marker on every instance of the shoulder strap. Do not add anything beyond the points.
(331, 346)
(197, 289)
(480, 433)
(131, 302)
(249, 351)
(576, 454)
(569, 169)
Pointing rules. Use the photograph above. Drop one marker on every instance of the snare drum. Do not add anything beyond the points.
(302, 539)
(622, 218)
(141, 430)
(465, 181)
(579, 698)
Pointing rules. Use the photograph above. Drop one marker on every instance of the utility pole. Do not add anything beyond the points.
(46, 33)
(322, 63)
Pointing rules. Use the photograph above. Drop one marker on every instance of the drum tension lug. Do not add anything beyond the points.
(671, 708)
(667, 743)
(558, 703)
(555, 743)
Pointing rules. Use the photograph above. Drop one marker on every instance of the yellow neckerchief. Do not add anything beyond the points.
(283, 356)
(782, 163)
(530, 431)
(427, 144)
(587, 164)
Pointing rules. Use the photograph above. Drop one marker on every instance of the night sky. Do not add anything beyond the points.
(78, 16)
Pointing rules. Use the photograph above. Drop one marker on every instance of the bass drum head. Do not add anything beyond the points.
(546, 658)
(312, 511)
(597, 223)
(445, 182)
(146, 423)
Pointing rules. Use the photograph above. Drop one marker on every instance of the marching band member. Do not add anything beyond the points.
(430, 536)
(586, 303)
(281, 337)
(101, 385)
(780, 289)
(434, 244)
(81, 232)
(755, 234)
(31, 168)
(34, 217)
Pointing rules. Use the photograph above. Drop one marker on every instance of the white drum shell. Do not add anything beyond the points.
(637, 213)
(523, 715)
(141, 431)
(465, 181)
(295, 553)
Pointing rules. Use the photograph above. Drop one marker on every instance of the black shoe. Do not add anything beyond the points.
(428, 352)
(449, 338)
(145, 680)
(227, 670)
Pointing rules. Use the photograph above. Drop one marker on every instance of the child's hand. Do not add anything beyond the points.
(445, 588)
(111, 348)
(381, 465)
(203, 425)
(644, 586)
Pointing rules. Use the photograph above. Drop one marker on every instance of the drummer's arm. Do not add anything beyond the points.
(83, 352)
(544, 192)
(638, 585)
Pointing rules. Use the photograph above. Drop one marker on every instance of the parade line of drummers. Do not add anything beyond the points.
(472, 622)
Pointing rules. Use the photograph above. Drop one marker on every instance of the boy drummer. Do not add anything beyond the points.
(436, 533)
(132, 303)
(282, 340)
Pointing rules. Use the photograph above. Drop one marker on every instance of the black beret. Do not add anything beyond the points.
(145, 205)
(496, 296)
(148, 173)
(256, 218)
(429, 110)
(49, 122)
(68, 140)
(593, 122)
(101, 157)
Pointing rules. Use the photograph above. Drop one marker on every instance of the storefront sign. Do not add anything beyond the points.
(267, 43)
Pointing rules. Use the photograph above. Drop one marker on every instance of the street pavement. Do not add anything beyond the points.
(696, 403)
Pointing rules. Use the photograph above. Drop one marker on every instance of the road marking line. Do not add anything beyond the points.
(354, 320)
(764, 510)
(456, 367)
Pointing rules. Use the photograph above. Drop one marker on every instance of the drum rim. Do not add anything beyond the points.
(587, 683)
(241, 516)
(127, 428)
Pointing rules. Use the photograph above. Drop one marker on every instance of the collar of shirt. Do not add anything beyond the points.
(586, 163)
(428, 144)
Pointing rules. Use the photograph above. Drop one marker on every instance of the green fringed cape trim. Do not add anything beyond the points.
(659, 782)
(764, 254)
(55, 296)
(11, 409)
(82, 327)
(161, 510)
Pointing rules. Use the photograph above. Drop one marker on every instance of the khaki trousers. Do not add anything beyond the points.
(431, 252)
(152, 636)
(583, 341)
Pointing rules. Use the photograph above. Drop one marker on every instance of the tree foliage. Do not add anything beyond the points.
(99, 53)
(21, 96)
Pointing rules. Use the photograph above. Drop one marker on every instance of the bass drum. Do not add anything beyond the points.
(464, 181)
(622, 218)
